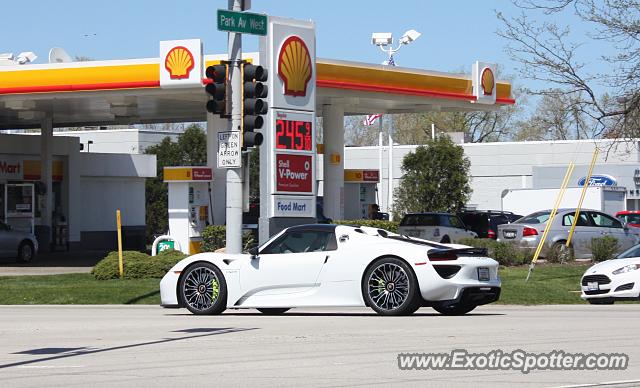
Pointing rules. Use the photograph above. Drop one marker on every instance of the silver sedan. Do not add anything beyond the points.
(527, 232)
(18, 244)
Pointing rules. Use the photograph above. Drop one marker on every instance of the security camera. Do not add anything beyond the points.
(381, 38)
(409, 36)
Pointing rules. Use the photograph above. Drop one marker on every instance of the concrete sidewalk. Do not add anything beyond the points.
(53, 263)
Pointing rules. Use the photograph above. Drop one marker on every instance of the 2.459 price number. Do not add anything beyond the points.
(293, 135)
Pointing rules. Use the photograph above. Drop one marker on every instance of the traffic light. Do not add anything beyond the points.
(217, 89)
(253, 104)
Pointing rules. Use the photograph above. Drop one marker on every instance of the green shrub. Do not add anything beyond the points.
(504, 253)
(604, 248)
(136, 265)
(214, 237)
(391, 226)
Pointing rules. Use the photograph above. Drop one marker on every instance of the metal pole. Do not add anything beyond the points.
(234, 175)
(380, 140)
(390, 175)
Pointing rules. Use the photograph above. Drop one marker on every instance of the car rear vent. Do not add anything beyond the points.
(600, 279)
(625, 287)
(359, 230)
(447, 271)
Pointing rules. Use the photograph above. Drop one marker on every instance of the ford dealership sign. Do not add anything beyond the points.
(599, 180)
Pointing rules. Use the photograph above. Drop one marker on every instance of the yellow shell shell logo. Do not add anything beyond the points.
(487, 81)
(294, 66)
(179, 62)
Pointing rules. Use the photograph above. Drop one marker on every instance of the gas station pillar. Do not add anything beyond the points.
(46, 176)
(218, 193)
(333, 163)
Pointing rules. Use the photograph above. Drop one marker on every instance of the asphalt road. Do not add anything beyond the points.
(98, 346)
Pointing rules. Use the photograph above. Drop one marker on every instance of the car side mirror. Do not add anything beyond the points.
(253, 252)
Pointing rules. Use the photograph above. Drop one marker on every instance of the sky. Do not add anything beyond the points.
(455, 33)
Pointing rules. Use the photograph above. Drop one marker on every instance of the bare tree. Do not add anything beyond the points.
(549, 52)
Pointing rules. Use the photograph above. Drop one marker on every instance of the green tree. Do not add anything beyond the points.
(189, 150)
(435, 178)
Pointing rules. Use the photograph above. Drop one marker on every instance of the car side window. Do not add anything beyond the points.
(300, 242)
(455, 222)
(604, 220)
(567, 220)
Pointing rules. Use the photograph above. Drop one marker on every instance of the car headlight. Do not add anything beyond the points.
(626, 268)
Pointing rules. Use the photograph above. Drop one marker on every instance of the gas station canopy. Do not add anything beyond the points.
(127, 92)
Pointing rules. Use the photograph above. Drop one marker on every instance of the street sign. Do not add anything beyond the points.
(243, 22)
(229, 149)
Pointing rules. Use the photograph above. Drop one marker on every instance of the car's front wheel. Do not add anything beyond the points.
(390, 287)
(25, 252)
(203, 290)
(454, 309)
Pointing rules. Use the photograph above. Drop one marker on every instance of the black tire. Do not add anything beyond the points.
(26, 252)
(601, 301)
(560, 253)
(446, 240)
(194, 286)
(273, 311)
(391, 293)
(454, 309)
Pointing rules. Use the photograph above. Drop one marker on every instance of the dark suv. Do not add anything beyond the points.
(485, 222)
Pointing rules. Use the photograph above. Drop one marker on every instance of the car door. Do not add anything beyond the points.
(6, 241)
(289, 265)
(456, 228)
(612, 227)
(581, 240)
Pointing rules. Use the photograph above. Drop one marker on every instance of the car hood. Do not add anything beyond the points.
(609, 266)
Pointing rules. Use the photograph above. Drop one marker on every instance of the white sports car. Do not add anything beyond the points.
(611, 280)
(336, 265)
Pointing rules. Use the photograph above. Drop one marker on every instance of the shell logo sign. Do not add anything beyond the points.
(487, 81)
(179, 62)
(484, 83)
(294, 66)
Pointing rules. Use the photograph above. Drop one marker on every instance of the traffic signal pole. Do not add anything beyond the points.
(234, 175)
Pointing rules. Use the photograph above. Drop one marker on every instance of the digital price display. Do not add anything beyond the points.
(293, 135)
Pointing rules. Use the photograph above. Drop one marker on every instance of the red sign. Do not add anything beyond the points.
(293, 135)
(294, 173)
(202, 174)
(370, 176)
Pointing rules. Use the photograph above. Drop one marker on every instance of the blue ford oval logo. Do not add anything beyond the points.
(599, 180)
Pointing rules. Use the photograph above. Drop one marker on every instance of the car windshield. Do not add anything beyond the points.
(419, 220)
(630, 218)
(634, 251)
(534, 218)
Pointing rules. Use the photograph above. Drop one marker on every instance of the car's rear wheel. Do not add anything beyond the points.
(390, 287)
(560, 253)
(454, 309)
(273, 311)
(25, 252)
(203, 290)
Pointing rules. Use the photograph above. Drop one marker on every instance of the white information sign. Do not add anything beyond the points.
(229, 150)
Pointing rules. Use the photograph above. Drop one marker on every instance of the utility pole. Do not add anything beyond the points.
(235, 175)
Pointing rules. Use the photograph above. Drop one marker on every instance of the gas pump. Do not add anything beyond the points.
(188, 205)
(359, 193)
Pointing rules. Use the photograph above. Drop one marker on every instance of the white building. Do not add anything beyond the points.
(88, 188)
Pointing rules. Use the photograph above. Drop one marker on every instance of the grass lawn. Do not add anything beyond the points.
(549, 284)
(77, 289)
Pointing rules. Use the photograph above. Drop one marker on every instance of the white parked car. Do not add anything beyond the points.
(611, 280)
(443, 227)
(335, 265)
